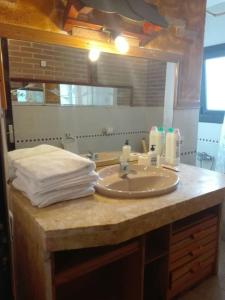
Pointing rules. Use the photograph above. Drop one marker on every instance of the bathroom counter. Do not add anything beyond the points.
(138, 238)
(98, 220)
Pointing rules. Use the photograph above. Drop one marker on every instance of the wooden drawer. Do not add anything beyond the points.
(195, 246)
(194, 265)
(193, 232)
(193, 254)
(189, 280)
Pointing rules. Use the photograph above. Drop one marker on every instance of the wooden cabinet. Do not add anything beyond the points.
(159, 265)
(193, 250)
(102, 273)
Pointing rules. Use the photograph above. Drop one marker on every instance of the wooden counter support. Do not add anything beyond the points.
(161, 248)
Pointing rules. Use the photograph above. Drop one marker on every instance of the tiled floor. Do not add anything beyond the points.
(214, 287)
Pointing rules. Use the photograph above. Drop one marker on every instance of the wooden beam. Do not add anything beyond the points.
(72, 10)
(40, 36)
(70, 23)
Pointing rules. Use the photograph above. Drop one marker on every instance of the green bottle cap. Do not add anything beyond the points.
(170, 130)
(161, 129)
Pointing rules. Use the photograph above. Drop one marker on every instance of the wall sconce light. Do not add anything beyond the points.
(121, 44)
(94, 54)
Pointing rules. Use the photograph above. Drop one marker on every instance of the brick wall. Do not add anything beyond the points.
(62, 63)
(147, 77)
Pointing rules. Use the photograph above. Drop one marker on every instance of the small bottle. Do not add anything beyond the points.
(156, 139)
(169, 146)
(153, 134)
(173, 147)
(152, 155)
(178, 140)
(162, 141)
(126, 151)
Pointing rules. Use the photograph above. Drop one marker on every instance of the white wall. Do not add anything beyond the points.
(214, 26)
(214, 30)
(52, 122)
(208, 141)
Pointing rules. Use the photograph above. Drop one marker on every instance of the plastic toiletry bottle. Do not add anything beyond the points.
(169, 146)
(157, 138)
(162, 141)
(154, 139)
(126, 151)
(152, 155)
(173, 147)
(178, 141)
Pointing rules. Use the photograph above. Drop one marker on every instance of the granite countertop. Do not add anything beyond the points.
(98, 220)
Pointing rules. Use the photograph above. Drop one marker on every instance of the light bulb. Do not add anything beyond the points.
(122, 44)
(94, 54)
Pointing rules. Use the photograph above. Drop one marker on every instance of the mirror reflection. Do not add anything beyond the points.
(60, 97)
(68, 94)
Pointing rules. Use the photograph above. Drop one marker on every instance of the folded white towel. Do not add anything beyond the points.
(46, 174)
(27, 152)
(51, 197)
(33, 187)
(69, 196)
(53, 166)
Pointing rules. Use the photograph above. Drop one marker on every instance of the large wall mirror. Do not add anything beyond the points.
(57, 93)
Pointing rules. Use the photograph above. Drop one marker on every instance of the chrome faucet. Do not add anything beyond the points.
(92, 155)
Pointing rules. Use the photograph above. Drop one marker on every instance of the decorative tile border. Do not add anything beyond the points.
(193, 152)
(55, 139)
(208, 140)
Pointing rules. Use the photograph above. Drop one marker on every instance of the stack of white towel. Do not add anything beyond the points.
(48, 174)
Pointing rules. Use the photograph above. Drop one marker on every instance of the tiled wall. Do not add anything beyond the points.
(208, 140)
(187, 121)
(146, 76)
(49, 124)
(72, 65)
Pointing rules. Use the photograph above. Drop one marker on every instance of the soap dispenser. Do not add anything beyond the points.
(126, 151)
(152, 155)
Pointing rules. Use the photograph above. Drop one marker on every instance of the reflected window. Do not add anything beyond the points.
(86, 95)
(25, 96)
(54, 93)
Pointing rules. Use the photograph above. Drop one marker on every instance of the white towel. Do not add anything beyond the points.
(47, 175)
(33, 187)
(81, 194)
(53, 166)
(27, 152)
(51, 197)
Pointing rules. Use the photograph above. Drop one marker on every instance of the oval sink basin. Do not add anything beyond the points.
(141, 182)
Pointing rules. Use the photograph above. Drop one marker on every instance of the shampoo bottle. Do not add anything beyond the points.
(162, 141)
(178, 141)
(173, 147)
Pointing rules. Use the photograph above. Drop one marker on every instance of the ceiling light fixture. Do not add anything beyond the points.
(122, 44)
(94, 54)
